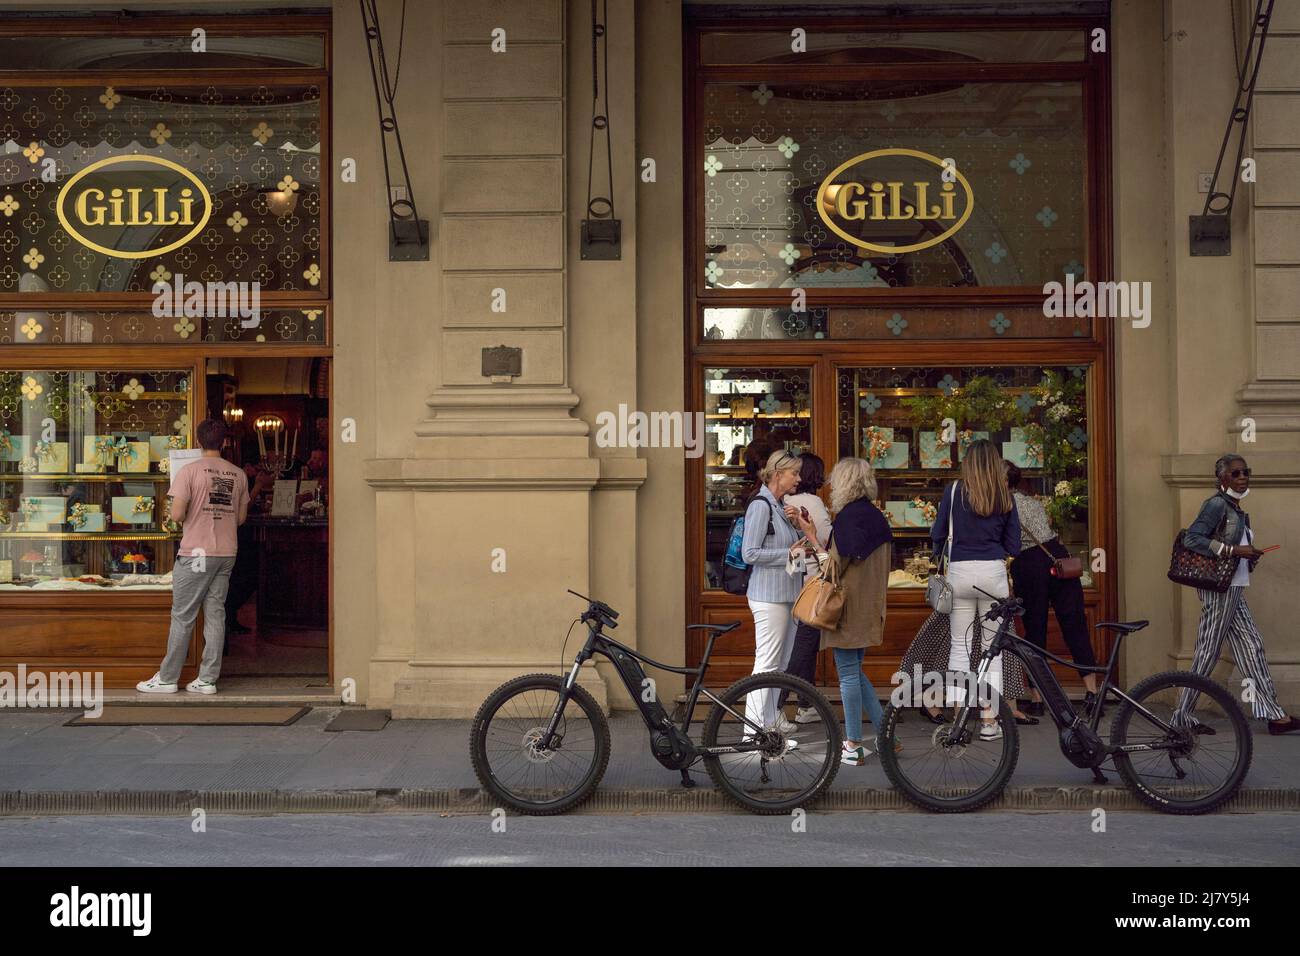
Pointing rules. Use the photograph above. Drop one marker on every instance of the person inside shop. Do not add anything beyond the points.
(1222, 529)
(210, 498)
(1038, 587)
(243, 578)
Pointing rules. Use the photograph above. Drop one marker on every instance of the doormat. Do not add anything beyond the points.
(190, 715)
(359, 720)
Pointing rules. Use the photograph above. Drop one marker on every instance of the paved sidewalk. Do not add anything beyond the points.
(46, 767)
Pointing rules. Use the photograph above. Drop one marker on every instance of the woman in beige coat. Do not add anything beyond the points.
(861, 545)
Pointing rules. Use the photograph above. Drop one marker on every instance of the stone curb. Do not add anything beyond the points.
(468, 800)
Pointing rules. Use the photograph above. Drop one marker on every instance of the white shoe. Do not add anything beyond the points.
(807, 715)
(787, 727)
(154, 685)
(990, 732)
(854, 756)
(201, 686)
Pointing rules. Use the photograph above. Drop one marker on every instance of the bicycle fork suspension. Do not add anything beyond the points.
(545, 741)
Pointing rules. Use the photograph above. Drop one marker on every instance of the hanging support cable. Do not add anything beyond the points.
(602, 231)
(408, 234)
(1211, 231)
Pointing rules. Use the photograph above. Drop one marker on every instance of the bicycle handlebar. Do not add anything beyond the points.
(1001, 608)
(597, 610)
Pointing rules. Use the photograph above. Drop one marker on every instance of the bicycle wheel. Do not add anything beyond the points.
(1200, 763)
(794, 766)
(939, 770)
(507, 761)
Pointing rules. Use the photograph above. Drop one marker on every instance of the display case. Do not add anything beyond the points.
(84, 471)
(742, 405)
(915, 424)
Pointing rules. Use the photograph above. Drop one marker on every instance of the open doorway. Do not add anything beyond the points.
(278, 604)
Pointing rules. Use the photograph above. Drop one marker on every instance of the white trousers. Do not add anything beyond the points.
(969, 639)
(774, 629)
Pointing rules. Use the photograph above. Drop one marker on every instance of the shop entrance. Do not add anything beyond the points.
(278, 606)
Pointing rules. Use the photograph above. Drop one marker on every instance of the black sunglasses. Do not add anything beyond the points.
(1238, 472)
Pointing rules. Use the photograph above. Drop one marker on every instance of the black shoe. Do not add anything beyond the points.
(1090, 702)
(1027, 720)
(1288, 726)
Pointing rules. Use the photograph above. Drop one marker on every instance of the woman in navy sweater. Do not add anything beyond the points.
(985, 532)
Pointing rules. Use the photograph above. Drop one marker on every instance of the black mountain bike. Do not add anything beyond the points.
(540, 743)
(1188, 762)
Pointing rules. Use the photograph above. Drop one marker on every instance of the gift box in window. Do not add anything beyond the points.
(51, 457)
(882, 449)
(132, 456)
(40, 512)
(14, 448)
(1025, 448)
(136, 509)
(935, 453)
(98, 454)
(966, 438)
(87, 519)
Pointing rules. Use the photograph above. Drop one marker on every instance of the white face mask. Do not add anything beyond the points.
(1236, 494)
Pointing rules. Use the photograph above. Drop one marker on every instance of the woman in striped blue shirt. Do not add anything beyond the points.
(765, 546)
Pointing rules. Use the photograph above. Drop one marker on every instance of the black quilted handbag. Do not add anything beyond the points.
(1200, 570)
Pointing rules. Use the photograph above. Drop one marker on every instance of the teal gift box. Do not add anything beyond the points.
(1025, 449)
(934, 453)
(16, 448)
(124, 511)
(895, 456)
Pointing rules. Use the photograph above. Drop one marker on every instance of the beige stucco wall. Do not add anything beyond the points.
(419, 617)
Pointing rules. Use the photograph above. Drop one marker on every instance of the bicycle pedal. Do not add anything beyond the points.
(687, 782)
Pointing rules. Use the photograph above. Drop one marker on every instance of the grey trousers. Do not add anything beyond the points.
(192, 589)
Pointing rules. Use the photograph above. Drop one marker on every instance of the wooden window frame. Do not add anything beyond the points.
(824, 356)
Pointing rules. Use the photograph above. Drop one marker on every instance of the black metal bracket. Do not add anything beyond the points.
(602, 230)
(408, 234)
(1211, 232)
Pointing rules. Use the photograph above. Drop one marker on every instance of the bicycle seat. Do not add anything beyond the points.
(720, 628)
(1124, 627)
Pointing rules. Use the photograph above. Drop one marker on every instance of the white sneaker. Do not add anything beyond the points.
(807, 715)
(990, 732)
(154, 685)
(854, 756)
(787, 727)
(201, 686)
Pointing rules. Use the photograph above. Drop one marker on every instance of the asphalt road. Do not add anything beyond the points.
(829, 839)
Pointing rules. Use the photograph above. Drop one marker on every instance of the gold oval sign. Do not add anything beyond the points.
(884, 201)
(128, 199)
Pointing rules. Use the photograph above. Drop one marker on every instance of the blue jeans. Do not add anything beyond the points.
(856, 692)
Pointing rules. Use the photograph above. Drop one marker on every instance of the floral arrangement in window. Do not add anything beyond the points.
(28, 466)
(105, 448)
(929, 510)
(176, 441)
(28, 507)
(77, 516)
(6, 441)
(125, 452)
(1069, 501)
(878, 444)
(981, 402)
(42, 450)
(143, 505)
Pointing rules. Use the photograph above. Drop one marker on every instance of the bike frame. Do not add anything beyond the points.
(652, 712)
(1006, 640)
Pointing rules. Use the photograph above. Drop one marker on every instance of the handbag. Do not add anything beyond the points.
(821, 601)
(1201, 570)
(938, 592)
(1070, 566)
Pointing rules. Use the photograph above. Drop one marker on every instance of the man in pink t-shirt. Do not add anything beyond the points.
(210, 496)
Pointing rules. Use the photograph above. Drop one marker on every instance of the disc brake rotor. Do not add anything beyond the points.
(530, 741)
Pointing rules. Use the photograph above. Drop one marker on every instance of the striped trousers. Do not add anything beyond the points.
(1226, 615)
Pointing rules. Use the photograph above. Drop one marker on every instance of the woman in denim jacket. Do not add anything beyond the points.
(1222, 528)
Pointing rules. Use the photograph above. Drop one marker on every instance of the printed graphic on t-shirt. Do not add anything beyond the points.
(221, 491)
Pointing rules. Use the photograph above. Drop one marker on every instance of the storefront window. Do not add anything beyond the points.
(84, 472)
(891, 324)
(891, 185)
(1037, 416)
(919, 46)
(768, 407)
(105, 188)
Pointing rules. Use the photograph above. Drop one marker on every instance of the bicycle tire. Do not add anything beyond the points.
(1232, 710)
(981, 796)
(492, 706)
(797, 688)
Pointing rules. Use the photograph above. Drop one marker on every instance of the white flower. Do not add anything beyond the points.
(1062, 489)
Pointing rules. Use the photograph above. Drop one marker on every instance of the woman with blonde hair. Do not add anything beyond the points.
(765, 546)
(985, 532)
(861, 546)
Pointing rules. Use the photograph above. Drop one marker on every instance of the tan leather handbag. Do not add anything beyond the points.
(821, 602)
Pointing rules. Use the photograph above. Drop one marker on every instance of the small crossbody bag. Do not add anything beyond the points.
(938, 592)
